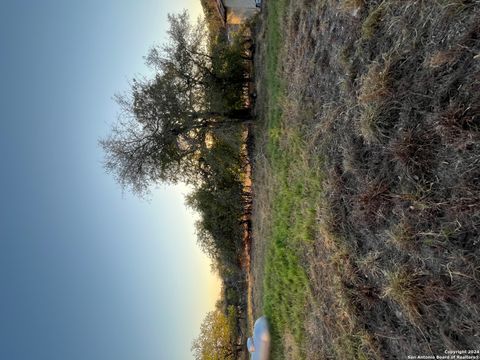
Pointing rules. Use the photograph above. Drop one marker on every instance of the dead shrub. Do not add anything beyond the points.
(371, 203)
(462, 117)
(413, 150)
(459, 125)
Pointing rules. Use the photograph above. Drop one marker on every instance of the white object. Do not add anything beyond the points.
(259, 344)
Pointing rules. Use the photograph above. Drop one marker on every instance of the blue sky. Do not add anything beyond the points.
(86, 273)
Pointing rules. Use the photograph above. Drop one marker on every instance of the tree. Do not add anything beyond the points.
(216, 340)
(218, 230)
(211, 64)
(158, 136)
(162, 130)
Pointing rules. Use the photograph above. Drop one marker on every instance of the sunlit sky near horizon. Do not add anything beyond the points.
(86, 272)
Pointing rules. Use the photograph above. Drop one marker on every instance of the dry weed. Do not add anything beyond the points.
(441, 58)
(402, 287)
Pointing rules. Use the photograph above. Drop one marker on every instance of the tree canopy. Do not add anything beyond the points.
(217, 338)
(165, 120)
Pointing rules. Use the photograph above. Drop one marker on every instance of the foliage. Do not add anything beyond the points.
(215, 339)
(166, 120)
(214, 22)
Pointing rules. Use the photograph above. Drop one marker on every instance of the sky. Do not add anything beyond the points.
(87, 272)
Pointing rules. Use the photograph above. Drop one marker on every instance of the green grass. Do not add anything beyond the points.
(276, 11)
(286, 286)
(293, 207)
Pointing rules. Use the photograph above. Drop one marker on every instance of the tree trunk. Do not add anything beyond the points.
(243, 115)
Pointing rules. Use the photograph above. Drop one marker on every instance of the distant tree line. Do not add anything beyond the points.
(186, 124)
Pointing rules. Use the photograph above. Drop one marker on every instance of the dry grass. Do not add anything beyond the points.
(367, 166)
(263, 188)
(352, 7)
(291, 352)
(376, 83)
(403, 236)
(374, 96)
(372, 22)
(402, 288)
(441, 58)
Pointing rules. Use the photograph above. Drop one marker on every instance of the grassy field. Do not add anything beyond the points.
(367, 177)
